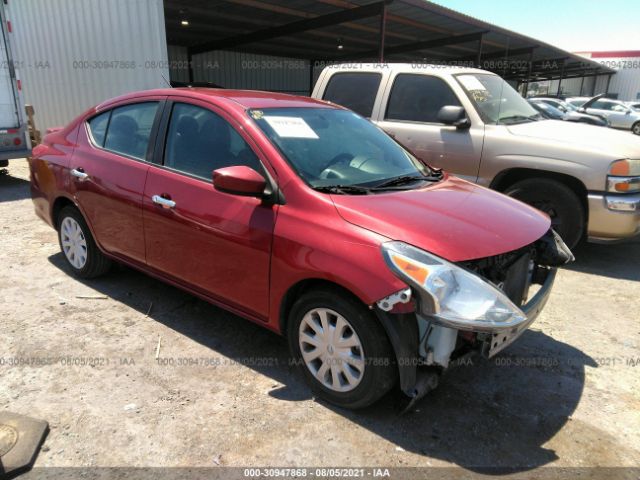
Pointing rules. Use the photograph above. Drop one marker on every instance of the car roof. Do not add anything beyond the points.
(243, 98)
(404, 68)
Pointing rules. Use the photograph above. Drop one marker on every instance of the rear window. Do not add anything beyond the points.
(130, 128)
(355, 91)
(98, 127)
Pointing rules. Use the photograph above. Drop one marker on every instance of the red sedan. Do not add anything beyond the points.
(305, 218)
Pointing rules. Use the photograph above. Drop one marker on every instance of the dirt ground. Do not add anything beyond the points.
(567, 394)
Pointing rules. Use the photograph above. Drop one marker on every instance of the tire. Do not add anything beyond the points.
(74, 242)
(360, 388)
(558, 201)
(636, 128)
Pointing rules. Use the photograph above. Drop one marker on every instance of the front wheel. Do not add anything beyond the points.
(78, 246)
(556, 200)
(343, 351)
(636, 128)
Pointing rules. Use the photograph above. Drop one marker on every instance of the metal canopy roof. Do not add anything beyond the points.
(344, 30)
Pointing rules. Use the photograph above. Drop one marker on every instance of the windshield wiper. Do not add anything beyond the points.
(343, 189)
(405, 179)
(520, 118)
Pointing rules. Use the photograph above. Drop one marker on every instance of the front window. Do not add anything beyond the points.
(495, 100)
(338, 148)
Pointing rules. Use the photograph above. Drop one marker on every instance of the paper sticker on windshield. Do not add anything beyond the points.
(291, 127)
(471, 83)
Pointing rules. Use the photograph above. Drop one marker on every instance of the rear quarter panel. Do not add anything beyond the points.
(48, 170)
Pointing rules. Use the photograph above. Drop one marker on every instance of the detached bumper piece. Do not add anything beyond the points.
(532, 309)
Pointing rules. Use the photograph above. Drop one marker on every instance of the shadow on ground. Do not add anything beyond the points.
(615, 260)
(486, 416)
(13, 188)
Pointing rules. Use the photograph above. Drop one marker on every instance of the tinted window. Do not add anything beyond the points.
(356, 91)
(130, 128)
(419, 98)
(98, 127)
(200, 141)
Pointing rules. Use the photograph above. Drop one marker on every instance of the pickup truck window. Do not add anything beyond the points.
(495, 100)
(355, 91)
(419, 98)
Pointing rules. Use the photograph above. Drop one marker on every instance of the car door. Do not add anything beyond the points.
(216, 243)
(108, 172)
(411, 116)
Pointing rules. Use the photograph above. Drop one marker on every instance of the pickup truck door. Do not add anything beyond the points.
(410, 106)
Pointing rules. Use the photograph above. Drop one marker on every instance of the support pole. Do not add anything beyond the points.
(526, 85)
(561, 77)
(582, 83)
(606, 90)
(479, 53)
(190, 64)
(383, 28)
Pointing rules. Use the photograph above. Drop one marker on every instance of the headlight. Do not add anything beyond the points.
(452, 295)
(624, 176)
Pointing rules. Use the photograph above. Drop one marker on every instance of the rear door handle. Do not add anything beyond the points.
(79, 174)
(163, 202)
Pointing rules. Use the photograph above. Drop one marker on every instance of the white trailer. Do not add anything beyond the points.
(14, 134)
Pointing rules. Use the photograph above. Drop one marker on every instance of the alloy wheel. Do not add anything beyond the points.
(74, 243)
(331, 349)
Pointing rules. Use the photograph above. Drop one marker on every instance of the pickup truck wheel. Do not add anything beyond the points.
(343, 351)
(556, 200)
(636, 128)
(78, 247)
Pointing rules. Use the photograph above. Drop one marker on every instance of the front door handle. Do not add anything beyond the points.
(163, 202)
(79, 174)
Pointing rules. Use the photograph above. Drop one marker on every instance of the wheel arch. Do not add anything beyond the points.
(509, 177)
(57, 206)
(300, 288)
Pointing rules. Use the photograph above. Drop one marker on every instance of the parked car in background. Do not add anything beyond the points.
(616, 112)
(577, 101)
(568, 111)
(306, 219)
(547, 111)
(635, 105)
(474, 124)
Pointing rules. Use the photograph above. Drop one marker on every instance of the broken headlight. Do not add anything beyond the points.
(451, 295)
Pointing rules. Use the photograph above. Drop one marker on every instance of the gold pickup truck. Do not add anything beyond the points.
(474, 124)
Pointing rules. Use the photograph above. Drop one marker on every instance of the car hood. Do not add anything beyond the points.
(453, 219)
(612, 143)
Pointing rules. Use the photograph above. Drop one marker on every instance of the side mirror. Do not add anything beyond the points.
(454, 115)
(239, 180)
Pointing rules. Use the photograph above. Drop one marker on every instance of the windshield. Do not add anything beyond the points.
(495, 100)
(331, 147)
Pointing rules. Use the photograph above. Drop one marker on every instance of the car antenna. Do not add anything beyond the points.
(166, 81)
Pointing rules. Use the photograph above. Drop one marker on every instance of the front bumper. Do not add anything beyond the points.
(500, 340)
(403, 333)
(613, 217)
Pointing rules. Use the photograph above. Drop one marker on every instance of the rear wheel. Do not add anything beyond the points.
(556, 200)
(636, 128)
(78, 246)
(343, 351)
